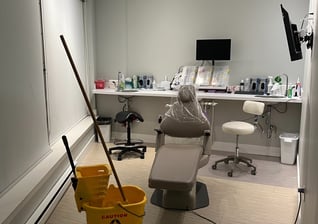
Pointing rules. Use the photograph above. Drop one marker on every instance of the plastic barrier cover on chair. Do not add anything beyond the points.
(186, 108)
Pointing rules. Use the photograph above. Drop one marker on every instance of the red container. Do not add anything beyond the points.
(100, 84)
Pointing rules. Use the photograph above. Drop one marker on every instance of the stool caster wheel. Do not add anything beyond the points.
(142, 156)
(214, 167)
(253, 172)
(230, 174)
(119, 158)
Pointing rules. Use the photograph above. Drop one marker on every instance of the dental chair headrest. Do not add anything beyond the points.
(186, 94)
(185, 117)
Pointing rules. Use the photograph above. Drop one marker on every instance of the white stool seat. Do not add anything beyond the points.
(238, 128)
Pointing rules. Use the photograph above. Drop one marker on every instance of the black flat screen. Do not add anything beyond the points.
(213, 49)
(293, 40)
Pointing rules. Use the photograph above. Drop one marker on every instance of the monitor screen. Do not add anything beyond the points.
(293, 40)
(213, 49)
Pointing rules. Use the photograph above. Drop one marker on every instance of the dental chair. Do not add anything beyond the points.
(238, 128)
(175, 167)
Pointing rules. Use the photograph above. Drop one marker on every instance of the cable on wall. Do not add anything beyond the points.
(301, 191)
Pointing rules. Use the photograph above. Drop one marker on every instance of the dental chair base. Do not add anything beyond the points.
(182, 200)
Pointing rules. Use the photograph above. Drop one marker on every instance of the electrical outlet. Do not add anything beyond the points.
(301, 190)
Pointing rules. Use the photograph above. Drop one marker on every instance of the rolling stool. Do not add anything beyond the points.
(126, 117)
(241, 128)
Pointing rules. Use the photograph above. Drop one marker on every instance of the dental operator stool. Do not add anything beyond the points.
(238, 128)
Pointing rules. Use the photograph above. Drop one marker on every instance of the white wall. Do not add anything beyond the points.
(64, 18)
(308, 140)
(157, 37)
(111, 38)
(30, 165)
(23, 133)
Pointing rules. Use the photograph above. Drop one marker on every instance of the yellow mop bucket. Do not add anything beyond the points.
(92, 184)
(114, 210)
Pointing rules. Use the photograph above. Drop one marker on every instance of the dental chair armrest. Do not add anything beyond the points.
(158, 130)
(160, 138)
(207, 143)
(207, 132)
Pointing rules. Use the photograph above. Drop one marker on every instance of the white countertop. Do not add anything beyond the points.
(200, 95)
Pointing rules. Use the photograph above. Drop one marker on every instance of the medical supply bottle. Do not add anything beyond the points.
(242, 85)
(270, 84)
(298, 88)
(247, 85)
(121, 82)
(135, 81)
(291, 90)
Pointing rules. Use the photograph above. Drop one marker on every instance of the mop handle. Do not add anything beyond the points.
(69, 154)
(92, 115)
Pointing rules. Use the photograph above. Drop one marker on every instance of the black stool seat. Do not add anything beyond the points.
(126, 117)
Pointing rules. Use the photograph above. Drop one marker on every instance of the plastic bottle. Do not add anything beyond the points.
(290, 90)
(298, 88)
(247, 85)
(269, 85)
(135, 81)
(121, 81)
(242, 85)
(154, 84)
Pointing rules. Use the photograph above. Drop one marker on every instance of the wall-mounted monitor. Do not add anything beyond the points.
(293, 40)
(213, 49)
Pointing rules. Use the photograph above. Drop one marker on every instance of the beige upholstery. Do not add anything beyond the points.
(253, 107)
(165, 175)
(238, 128)
(174, 170)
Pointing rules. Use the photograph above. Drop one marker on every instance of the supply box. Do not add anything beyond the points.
(99, 84)
(288, 146)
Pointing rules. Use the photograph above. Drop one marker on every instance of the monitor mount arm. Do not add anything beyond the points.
(308, 38)
(306, 34)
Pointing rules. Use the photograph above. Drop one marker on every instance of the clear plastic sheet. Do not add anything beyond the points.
(187, 108)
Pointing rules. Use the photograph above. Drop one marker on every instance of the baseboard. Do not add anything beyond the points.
(24, 201)
(217, 145)
(144, 137)
(44, 210)
(246, 148)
